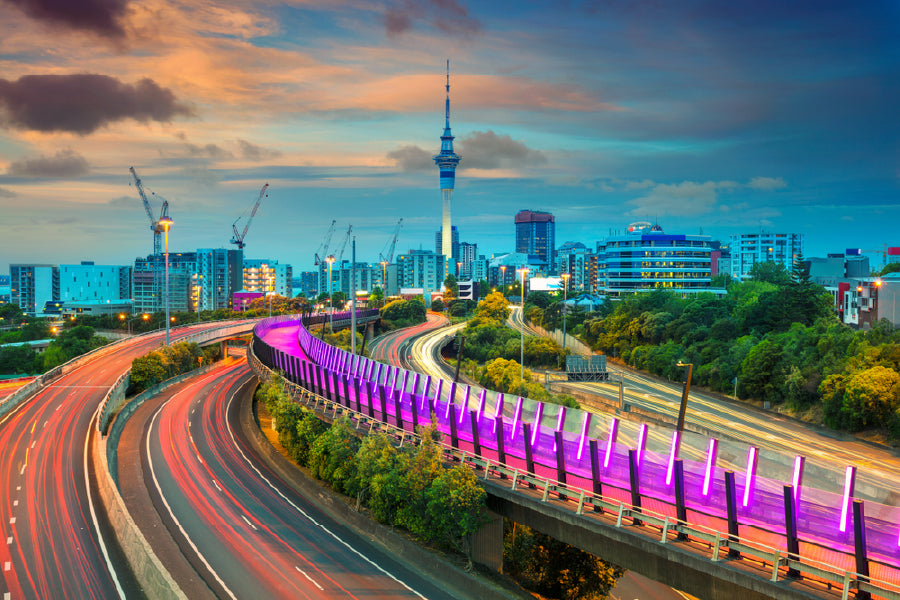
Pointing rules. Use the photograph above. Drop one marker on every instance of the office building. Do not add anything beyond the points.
(266, 275)
(420, 269)
(467, 255)
(536, 234)
(454, 244)
(88, 283)
(750, 248)
(148, 282)
(646, 258)
(218, 274)
(33, 286)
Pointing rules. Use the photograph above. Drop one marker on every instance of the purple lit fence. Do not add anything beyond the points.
(591, 452)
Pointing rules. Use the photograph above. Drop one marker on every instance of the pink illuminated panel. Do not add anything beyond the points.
(673, 454)
(584, 429)
(750, 476)
(849, 480)
(710, 464)
(610, 442)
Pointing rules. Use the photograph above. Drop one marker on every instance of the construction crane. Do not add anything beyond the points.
(154, 223)
(239, 236)
(389, 257)
(323, 248)
(340, 255)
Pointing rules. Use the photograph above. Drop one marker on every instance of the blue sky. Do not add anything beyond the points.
(724, 117)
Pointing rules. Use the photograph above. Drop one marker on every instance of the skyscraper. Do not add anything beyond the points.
(446, 161)
(536, 234)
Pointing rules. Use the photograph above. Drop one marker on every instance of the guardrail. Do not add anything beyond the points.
(342, 382)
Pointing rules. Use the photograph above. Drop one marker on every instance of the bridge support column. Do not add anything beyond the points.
(595, 473)
(529, 461)
(224, 348)
(487, 543)
(370, 331)
(501, 450)
(790, 520)
(731, 510)
(680, 508)
(859, 543)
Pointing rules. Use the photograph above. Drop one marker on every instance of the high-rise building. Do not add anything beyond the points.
(454, 243)
(218, 274)
(266, 275)
(420, 269)
(646, 258)
(446, 161)
(750, 248)
(33, 286)
(536, 234)
(308, 283)
(467, 255)
(94, 284)
(148, 282)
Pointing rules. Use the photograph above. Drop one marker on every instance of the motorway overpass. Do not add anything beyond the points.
(682, 514)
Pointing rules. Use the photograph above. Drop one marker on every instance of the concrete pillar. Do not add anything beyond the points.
(487, 543)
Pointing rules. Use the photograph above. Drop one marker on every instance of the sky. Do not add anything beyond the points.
(705, 116)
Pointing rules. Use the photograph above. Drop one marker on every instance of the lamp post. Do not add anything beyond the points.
(524, 272)
(502, 279)
(166, 222)
(684, 395)
(384, 277)
(330, 260)
(565, 278)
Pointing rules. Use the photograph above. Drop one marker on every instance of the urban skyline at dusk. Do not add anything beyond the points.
(730, 118)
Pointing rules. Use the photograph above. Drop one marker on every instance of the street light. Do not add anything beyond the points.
(684, 395)
(166, 222)
(524, 272)
(502, 278)
(330, 261)
(384, 276)
(565, 278)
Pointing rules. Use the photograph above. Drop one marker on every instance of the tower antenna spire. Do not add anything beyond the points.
(447, 110)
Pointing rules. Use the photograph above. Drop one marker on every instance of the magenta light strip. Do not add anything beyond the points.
(498, 410)
(482, 398)
(610, 442)
(797, 479)
(560, 419)
(415, 386)
(673, 454)
(437, 393)
(518, 413)
(642, 442)
(394, 380)
(465, 408)
(584, 429)
(750, 478)
(710, 464)
(849, 480)
(538, 414)
(405, 381)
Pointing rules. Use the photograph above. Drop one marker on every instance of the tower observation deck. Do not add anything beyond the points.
(446, 161)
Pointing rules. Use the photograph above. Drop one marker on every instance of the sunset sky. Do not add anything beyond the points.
(720, 116)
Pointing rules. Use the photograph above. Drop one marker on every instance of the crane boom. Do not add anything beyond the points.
(239, 236)
(154, 223)
(323, 249)
(340, 254)
(389, 258)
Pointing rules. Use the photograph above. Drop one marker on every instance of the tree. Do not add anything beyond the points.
(456, 508)
(332, 457)
(770, 272)
(437, 305)
(494, 309)
(376, 298)
(760, 377)
(451, 288)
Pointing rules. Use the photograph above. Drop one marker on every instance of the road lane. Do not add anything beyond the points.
(256, 536)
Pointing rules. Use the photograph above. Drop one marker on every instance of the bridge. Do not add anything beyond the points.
(710, 517)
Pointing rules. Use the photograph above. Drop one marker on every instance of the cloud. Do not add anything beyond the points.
(687, 198)
(65, 163)
(639, 185)
(82, 103)
(208, 151)
(487, 150)
(448, 16)
(5, 193)
(412, 158)
(767, 184)
(123, 201)
(102, 17)
(253, 152)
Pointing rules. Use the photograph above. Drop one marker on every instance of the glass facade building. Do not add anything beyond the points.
(536, 235)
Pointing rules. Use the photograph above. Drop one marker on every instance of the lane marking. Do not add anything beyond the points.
(246, 520)
(9, 541)
(216, 483)
(304, 513)
(169, 508)
(22, 470)
(302, 572)
(45, 423)
(7, 566)
(87, 486)
(15, 502)
(33, 443)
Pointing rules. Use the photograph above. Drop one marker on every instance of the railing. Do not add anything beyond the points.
(597, 469)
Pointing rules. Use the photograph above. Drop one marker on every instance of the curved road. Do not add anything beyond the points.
(55, 544)
(246, 531)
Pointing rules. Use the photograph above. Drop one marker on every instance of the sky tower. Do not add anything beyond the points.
(446, 162)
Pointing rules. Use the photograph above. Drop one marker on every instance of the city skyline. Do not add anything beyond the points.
(727, 118)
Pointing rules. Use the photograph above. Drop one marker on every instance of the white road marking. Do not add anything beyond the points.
(45, 423)
(22, 470)
(172, 514)
(302, 572)
(7, 566)
(246, 520)
(305, 514)
(33, 443)
(15, 502)
(18, 488)
(9, 541)
(6, 596)
(216, 483)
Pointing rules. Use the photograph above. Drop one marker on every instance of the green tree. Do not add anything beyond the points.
(770, 272)
(553, 569)
(870, 398)
(493, 309)
(760, 376)
(437, 305)
(451, 288)
(376, 298)
(456, 508)
(332, 457)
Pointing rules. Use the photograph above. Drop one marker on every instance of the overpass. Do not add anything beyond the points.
(711, 518)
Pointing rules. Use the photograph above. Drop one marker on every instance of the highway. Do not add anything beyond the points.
(246, 531)
(56, 544)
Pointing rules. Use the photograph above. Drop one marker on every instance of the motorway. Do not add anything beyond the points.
(56, 544)
(878, 476)
(244, 530)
